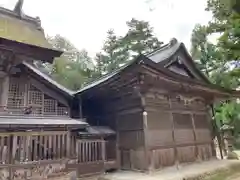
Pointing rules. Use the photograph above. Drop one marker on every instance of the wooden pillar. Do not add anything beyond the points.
(118, 152)
(26, 94)
(80, 108)
(4, 93)
(219, 139)
(103, 143)
(212, 129)
(14, 147)
(173, 134)
(148, 165)
(146, 139)
(195, 138)
(68, 148)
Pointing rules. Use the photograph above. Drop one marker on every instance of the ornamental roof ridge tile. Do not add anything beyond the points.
(12, 24)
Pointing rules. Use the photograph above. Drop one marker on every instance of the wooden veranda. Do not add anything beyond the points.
(47, 154)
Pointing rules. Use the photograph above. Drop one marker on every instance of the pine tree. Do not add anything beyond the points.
(140, 38)
(113, 54)
(117, 50)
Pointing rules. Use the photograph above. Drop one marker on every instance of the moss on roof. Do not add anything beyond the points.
(20, 30)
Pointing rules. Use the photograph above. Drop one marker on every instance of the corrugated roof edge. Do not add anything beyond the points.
(49, 79)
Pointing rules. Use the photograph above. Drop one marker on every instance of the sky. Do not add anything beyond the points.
(85, 22)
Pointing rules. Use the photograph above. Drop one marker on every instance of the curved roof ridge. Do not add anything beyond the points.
(173, 41)
(15, 22)
(48, 79)
(29, 19)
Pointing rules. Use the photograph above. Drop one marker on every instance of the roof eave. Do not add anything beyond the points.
(32, 51)
(111, 76)
(50, 81)
(222, 92)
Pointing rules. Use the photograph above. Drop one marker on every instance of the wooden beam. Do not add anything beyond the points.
(4, 91)
(35, 52)
(195, 137)
(173, 135)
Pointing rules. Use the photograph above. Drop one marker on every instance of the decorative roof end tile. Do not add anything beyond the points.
(18, 8)
(173, 41)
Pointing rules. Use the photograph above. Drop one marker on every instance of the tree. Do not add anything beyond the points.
(207, 55)
(118, 50)
(217, 59)
(140, 38)
(226, 21)
(113, 54)
(236, 6)
(74, 68)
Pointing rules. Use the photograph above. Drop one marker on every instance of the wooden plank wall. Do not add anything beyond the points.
(124, 112)
(176, 132)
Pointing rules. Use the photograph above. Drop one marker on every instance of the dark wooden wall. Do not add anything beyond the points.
(122, 111)
(158, 124)
(177, 131)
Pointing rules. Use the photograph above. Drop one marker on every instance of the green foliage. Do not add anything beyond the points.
(118, 50)
(74, 67)
(112, 56)
(228, 112)
(140, 38)
(213, 59)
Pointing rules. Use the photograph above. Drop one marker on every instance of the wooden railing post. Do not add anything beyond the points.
(68, 148)
(103, 143)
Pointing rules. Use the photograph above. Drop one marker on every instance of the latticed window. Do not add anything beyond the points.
(35, 96)
(49, 105)
(15, 94)
(62, 110)
(40, 103)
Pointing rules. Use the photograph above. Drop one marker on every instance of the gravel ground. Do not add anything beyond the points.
(173, 173)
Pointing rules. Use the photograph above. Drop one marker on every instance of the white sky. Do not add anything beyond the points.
(85, 22)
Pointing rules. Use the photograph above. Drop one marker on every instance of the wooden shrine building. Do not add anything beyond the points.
(151, 113)
(159, 105)
(36, 128)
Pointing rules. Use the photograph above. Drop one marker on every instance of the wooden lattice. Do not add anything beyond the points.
(16, 94)
(22, 95)
(62, 110)
(49, 106)
(34, 96)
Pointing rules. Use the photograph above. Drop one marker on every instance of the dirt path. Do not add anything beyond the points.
(234, 177)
